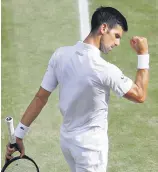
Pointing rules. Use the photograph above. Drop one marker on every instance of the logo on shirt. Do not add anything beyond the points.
(22, 128)
(122, 77)
(125, 79)
(79, 53)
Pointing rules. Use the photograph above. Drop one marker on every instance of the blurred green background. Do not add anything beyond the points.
(31, 31)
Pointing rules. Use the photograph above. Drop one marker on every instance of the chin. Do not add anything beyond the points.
(105, 51)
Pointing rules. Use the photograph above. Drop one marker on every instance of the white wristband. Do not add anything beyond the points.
(143, 61)
(21, 130)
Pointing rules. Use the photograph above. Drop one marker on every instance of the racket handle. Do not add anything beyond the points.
(12, 139)
(15, 145)
(9, 122)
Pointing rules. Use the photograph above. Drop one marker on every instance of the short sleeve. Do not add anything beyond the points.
(117, 81)
(50, 81)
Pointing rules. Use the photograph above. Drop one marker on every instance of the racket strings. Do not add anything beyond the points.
(21, 165)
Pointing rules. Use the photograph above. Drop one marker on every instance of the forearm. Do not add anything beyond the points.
(33, 110)
(138, 91)
(142, 78)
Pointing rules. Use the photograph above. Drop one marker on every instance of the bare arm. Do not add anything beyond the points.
(49, 83)
(29, 116)
(35, 106)
(138, 91)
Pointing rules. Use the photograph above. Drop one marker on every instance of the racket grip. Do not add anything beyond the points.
(15, 145)
(10, 125)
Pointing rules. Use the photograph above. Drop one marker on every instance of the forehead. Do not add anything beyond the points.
(117, 30)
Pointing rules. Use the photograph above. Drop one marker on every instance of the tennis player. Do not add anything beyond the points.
(85, 80)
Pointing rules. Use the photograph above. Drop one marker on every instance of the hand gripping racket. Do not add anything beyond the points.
(17, 164)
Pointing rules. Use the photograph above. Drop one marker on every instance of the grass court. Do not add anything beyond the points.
(31, 31)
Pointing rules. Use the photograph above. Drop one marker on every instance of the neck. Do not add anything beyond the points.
(93, 39)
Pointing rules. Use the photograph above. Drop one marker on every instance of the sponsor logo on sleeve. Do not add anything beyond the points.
(22, 128)
(80, 54)
(124, 78)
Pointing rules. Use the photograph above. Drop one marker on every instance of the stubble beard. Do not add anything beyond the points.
(103, 48)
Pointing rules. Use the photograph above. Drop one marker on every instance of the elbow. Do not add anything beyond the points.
(141, 96)
(141, 99)
(136, 95)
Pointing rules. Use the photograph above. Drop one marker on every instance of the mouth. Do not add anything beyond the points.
(110, 48)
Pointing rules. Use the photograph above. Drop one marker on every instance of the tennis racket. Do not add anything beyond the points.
(17, 164)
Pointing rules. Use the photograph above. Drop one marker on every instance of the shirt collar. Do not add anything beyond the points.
(89, 47)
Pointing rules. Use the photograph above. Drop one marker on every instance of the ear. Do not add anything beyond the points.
(103, 28)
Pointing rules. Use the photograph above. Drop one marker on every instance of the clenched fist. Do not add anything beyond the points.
(139, 44)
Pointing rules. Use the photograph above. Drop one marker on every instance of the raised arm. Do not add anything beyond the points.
(138, 91)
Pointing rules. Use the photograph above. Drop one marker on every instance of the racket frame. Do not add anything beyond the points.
(18, 158)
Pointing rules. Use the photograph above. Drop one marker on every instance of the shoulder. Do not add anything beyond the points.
(63, 50)
(113, 69)
(100, 63)
(112, 72)
(107, 65)
(59, 53)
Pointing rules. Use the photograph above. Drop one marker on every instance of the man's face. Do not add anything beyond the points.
(110, 38)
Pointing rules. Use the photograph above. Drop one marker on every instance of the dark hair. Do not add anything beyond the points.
(110, 16)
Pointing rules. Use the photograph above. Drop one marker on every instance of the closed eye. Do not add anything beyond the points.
(117, 36)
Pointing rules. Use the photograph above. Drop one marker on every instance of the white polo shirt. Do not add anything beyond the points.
(85, 80)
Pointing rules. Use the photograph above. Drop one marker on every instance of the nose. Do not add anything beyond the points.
(117, 42)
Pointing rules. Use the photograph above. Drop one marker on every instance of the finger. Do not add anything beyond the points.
(135, 40)
(20, 147)
(132, 42)
(8, 157)
(10, 152)
(135, 37)
(11, 149)
(22, 152)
